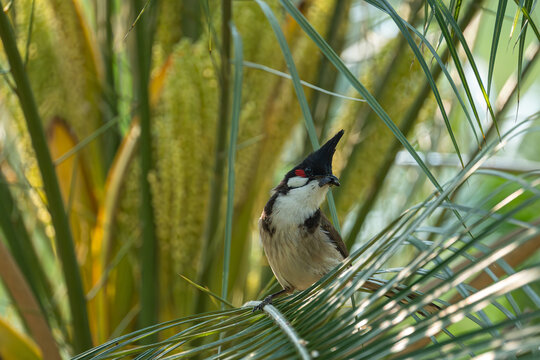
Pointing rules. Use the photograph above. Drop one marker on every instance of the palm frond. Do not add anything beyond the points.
(443, 270)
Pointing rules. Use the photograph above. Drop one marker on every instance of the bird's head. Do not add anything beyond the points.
(316, 168)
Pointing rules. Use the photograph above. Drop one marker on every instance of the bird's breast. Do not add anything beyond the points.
(298, 256)
(292, 210)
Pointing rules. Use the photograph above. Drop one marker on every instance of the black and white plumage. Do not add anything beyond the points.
(300, 243)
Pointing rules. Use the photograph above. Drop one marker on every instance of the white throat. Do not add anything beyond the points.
(298, 204)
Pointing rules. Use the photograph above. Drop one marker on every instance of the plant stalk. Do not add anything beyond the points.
(149, 255)
(28, 305)
(235, 119)
(105, 18)
(320, 103)
(82, 339)
(216, 186)
(23, 252)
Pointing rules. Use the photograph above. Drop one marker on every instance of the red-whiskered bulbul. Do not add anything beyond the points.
(299, 241)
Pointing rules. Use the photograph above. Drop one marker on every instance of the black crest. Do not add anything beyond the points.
(320, 161)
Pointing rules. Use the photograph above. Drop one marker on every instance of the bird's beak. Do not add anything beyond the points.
(329, 179)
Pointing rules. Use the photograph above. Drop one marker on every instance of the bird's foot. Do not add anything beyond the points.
(267, 301)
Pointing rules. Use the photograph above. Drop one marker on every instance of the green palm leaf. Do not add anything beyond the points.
(321, 322)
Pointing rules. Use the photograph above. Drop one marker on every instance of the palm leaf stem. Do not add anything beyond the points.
(284, 325)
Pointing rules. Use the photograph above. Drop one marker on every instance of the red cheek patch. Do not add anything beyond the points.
(300, 172)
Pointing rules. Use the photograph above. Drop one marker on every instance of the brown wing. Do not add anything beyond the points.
(334, 236)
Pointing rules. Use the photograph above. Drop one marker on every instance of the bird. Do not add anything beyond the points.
(299, 241)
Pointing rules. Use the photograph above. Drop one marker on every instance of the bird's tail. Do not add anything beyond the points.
(374, 284)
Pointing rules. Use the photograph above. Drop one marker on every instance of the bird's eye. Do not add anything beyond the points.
(308, 171)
